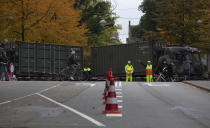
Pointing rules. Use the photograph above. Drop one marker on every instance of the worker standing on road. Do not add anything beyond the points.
(87, 71)
(129, 70)
(149, 71)
(3, 66)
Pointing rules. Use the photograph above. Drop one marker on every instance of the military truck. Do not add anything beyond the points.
(186, 59)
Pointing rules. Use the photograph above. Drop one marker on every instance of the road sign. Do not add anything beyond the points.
(12, 69)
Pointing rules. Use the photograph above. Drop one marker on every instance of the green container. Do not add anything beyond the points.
(36, 59)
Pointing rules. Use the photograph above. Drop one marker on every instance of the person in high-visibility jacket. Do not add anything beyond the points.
(87, 71)
(149, 71)
(129, 70)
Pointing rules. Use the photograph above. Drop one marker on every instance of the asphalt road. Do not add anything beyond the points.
(79, 105)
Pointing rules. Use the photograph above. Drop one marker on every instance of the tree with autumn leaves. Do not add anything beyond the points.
(51, 21)
(176, 21)
(93, 11)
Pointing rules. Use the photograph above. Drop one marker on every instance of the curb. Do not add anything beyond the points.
(205, 89)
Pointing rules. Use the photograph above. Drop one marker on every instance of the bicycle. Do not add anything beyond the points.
(74, 72)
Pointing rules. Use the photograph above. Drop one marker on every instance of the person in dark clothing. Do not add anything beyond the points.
(71, 63)
(163, 66)
(3, 68)
(1, 49)
(170, 70)
(72, 59)
(1, 52)
(167, 70)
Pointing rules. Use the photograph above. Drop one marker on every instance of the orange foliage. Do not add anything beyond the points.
(50, 21)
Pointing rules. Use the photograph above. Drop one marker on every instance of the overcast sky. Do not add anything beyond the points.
(127, 10)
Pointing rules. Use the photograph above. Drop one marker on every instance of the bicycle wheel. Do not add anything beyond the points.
(80, 75)
(158, 78)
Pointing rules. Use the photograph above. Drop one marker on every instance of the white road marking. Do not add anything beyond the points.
(92, 85)
(116, 84)
(48, 88)
(114, 115)
(5, 102)
(118, 92)
(119, 96)
(118, 89)
(119, 101)
(156, 85)
(74, 111)
(19, 98)
(119, 106)
(120, 84)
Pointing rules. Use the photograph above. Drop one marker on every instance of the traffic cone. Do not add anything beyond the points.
(105, 92)
(109, 75)
(111, 101)
(106, 88)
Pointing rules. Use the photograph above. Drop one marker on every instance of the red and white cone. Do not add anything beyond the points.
(111, 108)
(107, 84)
(106, 88)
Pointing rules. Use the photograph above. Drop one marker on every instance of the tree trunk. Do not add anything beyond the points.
(23, 22)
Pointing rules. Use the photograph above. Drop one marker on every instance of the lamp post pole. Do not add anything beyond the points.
(103, 23)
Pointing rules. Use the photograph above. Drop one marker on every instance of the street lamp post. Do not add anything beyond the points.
(103, 23)
(199, 21)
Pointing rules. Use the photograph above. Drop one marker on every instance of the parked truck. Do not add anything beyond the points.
(186, 59)
(40, 60)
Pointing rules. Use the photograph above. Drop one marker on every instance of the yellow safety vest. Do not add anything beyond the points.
(87, 69)
(129, 69)
(149, 70)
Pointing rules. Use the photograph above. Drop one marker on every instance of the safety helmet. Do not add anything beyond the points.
(148, 61)
(129, 62)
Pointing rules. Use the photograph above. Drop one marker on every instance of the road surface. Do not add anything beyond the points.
(79, 105)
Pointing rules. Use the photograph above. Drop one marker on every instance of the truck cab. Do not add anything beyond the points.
(187, 61)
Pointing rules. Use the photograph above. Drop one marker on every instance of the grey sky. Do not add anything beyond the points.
(127, 10)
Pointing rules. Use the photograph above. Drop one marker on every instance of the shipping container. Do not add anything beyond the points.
(41, 59)
(117, 56)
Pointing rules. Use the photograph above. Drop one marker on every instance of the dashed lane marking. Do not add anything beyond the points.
(92, 85)
(119, 96)
(74, 111)
(118, 92)
(156, 85)
(114, 115)
(119, 106)
(116, 84)
(118, 89)
(30, 94)
(119, 101)
(120, 84)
